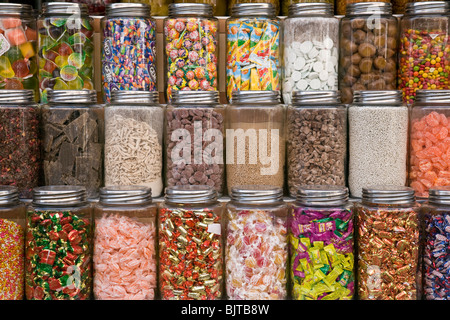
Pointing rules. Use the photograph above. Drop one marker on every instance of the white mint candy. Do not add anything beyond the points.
(306, 46)
(318, 66)
(328, 43)
(331, 82)
(315, 84)
(299, 63)
(313, 53)
(296, 76)
(301, 85)
(323, 75)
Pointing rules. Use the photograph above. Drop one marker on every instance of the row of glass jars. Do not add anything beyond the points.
(319, 52)
(318, 248)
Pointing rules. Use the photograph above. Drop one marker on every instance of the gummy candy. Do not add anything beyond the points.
(20, 68)
(69, 73)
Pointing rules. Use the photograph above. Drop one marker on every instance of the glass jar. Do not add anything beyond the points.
(428, 162)
(321, 244)
(435, 220)
(219, 6)
(134, 125)
(253, 48)
(18, 48)
(73, 140)
(58, 244)
(387, 227)
(256, 250)
(129, 49)
(424, 50)
(124, 257)
(190, 244)
(311, 43)
(341, 5)
(20, 140)
(255, 139)
(12, 244)
(368, 49)
(274, 3)
(190, 41)
(316, 140)
(158, 7)
(378, 140)
(66, 48)
(194, 129)
(285, 4)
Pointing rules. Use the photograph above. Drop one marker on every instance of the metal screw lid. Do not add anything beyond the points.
(24, 10)
(427, 7)
(72, 96)
(307, 8)
(395, 195)
(59, 196)
(190, 194)
(252, 97)
(125, 195)
(9, 196)
(134, 97)
(141, 10)
(256, 194)
(382, 97)
(439, 195)
(196, 9)
(195, 97)
(68, 8)
(253, 9)
(433, 96)
(322, 195)
(316, 97)
(16, 96)
(371, 8)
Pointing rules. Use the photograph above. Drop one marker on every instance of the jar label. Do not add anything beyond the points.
(4, 44)
(214, 228)
(317, 227)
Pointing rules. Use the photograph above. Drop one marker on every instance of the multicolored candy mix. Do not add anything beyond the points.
(58, 255)
(256, 256)
(129, 55)
(191, 53)
(253, 55)
(190, 253)
(321, 248)
(66, 52)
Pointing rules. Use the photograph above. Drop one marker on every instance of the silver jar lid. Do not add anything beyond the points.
(64, 8)
(322, 195)
(433, 96)
(24, 10)
(251, 97)
(439, 195)
(16, 96)
(72, 96)
(194, 9)
(141, 10)
(134, 97)
(125, 195)
(389, 195)
(382, 97)
(253, 9)
(9, 196)
(371, 8)
(190, 194)
(316, 97)
(257, 194)
(195, 97)
(59, 196)
(310, 8)
(427, 7)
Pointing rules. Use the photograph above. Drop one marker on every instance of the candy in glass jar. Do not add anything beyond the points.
(58, 244)
(12, 244)
(190, 40)
(256, 250)
(190, 244)
(129, 49)
(321, 244)
(66, 48)
(253, 49)
(387, 225)
(18, 48)
(424, 50)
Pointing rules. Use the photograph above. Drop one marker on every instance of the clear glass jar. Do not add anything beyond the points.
(424, 49)
(256, 249)
(274, 3)
(158, 7)
(316, 140)
(124, 246)
(321, 244)
(387, 225)
(368, 49)
(219, 6)
(255, 139)
(12, 244)
(253, 49)
(435, 227)
(285, 4)
(429, 140)
(134, 130)
(341, 5)
(18, 48)
(129, 49)
(20, 140)
(58, 254)
(311, 49)
(73, 140)
(190, 40)
(66, 48)
(190, 244)
(194, 135)
(378, 140)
